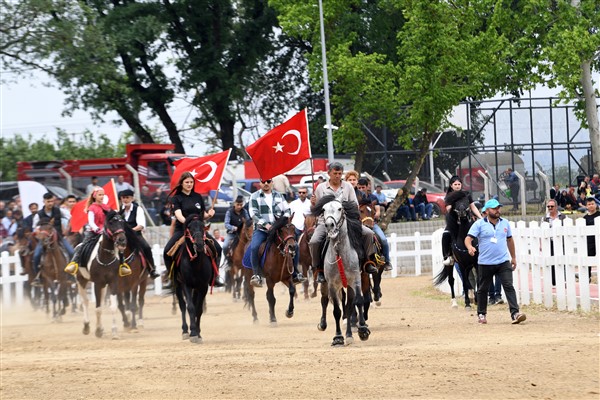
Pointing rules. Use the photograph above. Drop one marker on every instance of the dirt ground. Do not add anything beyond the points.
(419, 347)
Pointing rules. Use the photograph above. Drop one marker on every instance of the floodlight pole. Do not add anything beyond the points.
(326, 87)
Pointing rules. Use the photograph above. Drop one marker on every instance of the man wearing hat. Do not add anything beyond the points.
(235, 218)
(134, 217)
(496, 257)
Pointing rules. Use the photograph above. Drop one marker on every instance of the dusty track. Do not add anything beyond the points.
(419, 347)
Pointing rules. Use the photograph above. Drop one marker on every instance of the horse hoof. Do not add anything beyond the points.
(468, 307)
(363, 333)
(322, 326)
(378, 303)
(313, 294)
(126, 324)
(349, 340)
(141, 323)
(99, 332)
(116, 337)
(196, 339)
(185, 336)
(337, 341)
(289, 314)
(454, 304)
(134, 330)
(86, 328)
(273, 324)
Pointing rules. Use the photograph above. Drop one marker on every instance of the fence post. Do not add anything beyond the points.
(157, 254)
(418, 255)
(6, 286)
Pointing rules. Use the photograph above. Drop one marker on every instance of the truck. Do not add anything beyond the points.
(143, 165)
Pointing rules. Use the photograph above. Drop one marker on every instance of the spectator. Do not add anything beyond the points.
(300, 208)
(90, 188)
(512, 181)
(422, 206)
(555, 191)
(28, 221)
(159, 200)
(146, 198)
(595, 184)
(282, 184)
(553, 216)
(9, 224)
(590, 218)
(581, 200)
(217, 235)
(406, 210)
(121, 185)
(381, 197)
(584, 188)
(570, 199)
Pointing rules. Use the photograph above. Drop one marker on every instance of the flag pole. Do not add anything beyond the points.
(114, 187)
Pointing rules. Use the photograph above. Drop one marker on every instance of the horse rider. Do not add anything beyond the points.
(266, 206)
(353, 178)
(343, 191)
(453, 195)
(53, 214)
(185, 202)
(96, 212)
(134, 217)
(235, 218)
(362, 186)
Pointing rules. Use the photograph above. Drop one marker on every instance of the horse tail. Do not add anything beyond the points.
(443, 275)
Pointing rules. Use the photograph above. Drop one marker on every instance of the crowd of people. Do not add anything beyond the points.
(573, 198)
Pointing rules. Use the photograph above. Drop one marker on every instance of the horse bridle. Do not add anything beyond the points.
(338, 224)
(367, 218)
(192, 237)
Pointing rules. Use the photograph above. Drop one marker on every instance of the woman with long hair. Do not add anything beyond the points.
(453, 195)
(185, 202)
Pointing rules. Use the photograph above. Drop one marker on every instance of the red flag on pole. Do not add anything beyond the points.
(207, 171)
(282, 148)
(78, 214)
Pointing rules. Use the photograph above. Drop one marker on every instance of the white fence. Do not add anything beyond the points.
(533, 277)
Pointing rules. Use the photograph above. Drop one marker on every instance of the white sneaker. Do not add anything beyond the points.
(448, 261)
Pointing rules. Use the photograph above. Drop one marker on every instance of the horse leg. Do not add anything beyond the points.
(350, 307)
(121, 306)
(377, 295)
(290, 311)
(199, 302)
(322, 325)
(99, 293)
(133, 308)
(271, 299)
(182, 308)
(360, 303)
(113, 310)
(338, 339)
(191, 299)
(454, 304)
(85, 302)
(141, 300)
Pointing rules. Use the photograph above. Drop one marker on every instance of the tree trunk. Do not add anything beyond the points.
(591, 112)
(360, 157)
(404, 191)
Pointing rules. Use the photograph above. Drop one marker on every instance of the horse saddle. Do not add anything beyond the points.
(173, 250)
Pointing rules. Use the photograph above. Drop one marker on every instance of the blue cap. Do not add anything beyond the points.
(493, 203)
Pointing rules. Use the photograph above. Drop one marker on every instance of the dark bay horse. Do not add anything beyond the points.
(279, 250)
(342, 266)
(237, 269)
(305, 260)
(102, 268)
(54, 279)
(467, 263)
(367, 217)
(193, 271)
(26, 243)
(131, 289)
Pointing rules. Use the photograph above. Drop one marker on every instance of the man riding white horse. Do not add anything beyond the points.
(343, 192)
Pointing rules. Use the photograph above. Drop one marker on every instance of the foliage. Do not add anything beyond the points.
(88, 145)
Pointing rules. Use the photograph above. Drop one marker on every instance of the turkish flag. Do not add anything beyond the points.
(79, 216)
(207, 171)
(282, 148)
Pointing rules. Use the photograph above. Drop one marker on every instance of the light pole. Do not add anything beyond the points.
(326, 87)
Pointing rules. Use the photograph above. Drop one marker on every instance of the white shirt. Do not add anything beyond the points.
(300, 209)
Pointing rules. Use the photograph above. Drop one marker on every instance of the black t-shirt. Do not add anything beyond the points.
(189, 205)
(591, 240)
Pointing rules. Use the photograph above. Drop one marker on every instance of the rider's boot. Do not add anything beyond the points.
(370, 268)
(320, 275)
(256, 279)
(297, 277)
(73, 266)
(152, 272)
(37, 281)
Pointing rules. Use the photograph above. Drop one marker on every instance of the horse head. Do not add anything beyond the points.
(463, 210)
(283, 234)
(333, 215)
(114, 229)
(194, 232)
(247, 229)
(47, 233)
(367, 214)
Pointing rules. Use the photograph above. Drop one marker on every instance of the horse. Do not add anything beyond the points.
(131, 289)
(342, 266)
(104, 259)
(192, 276)
(305, 260)
(26, 243)
(54, 280)
(236, 272)
(467, 264)
(367, 217)
(279, 251)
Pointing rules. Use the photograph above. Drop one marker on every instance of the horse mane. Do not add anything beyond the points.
(278, 224)
(317, 209)
(21, 232)
(354, 227)
(455, 196)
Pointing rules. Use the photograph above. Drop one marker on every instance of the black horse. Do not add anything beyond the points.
(466, 262)
(192, 276)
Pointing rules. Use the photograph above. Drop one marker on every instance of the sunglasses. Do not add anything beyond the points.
(550, 206)
(302, 192)
(267, 181)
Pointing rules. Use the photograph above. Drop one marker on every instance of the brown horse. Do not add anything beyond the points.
(280, 248)
(305, 260)
(26, 243)
(55, 281)
(237, 269)
(367, 217)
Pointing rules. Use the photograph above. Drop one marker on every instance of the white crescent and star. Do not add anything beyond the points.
(213, 171)
(279, 147)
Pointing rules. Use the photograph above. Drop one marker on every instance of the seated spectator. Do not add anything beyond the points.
(381, 198)
(581, 200)
(422, 206)
(147, 202)
(570, 199)
(406, 210)
(595, 184)
(555, 191)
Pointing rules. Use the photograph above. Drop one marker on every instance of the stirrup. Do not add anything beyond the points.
(124, 269)
(72, 268)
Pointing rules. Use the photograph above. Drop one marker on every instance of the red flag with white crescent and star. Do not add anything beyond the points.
(207, 171)
(78, 215)
(282, 148)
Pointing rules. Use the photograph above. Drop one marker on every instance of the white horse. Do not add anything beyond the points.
(341, 264)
